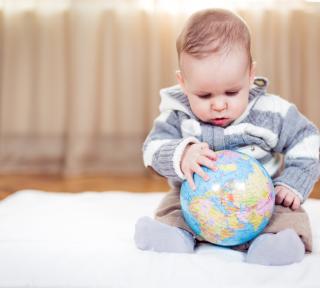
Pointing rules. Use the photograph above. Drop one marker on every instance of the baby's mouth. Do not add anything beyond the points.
(221, 121)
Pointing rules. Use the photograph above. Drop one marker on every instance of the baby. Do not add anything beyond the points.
(219, 104)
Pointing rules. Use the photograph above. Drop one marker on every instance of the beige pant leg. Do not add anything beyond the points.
(169, 211)
(298, 220)
(283, 218)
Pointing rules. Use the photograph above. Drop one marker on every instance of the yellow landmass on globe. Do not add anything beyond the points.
(255, 219)
(228, 167)
(224, 234)
(233, 222)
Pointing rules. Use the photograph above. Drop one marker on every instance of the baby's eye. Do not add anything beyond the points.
(204, 96)
(231, 93)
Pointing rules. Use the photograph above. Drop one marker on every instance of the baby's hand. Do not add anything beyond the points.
(286, 197)
(195, 155)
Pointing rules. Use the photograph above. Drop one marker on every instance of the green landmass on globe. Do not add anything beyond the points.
(235, 205)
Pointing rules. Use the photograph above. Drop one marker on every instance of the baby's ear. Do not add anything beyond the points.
(180, 80)
(252, 72)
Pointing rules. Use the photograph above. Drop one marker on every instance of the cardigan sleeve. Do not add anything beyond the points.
(299, 143)
(164, 146)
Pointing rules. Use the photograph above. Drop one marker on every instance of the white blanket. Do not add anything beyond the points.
(86, 240)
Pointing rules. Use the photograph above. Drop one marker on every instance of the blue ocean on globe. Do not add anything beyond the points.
(234, 205)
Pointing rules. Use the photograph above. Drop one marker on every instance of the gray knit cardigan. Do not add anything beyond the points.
(269, 127)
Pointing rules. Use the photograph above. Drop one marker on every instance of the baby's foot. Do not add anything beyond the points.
(153, 235)
(282, 248)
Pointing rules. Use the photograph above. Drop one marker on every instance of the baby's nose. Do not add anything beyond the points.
(219, 109)
(219, 106)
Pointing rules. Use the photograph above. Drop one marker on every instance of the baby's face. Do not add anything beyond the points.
(217, 86)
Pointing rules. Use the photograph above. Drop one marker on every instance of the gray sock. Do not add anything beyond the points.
(282, 248)
(154, 235)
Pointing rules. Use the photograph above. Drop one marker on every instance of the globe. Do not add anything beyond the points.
(234, 205)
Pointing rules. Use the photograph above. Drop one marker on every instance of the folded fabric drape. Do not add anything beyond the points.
(80, 80)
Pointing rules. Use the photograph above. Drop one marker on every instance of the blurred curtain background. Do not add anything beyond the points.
(80, 80)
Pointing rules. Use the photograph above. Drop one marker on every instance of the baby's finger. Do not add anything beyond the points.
(280, 196)
(190, 181)
(204, 161)
(296, 203)
(204, 145)
(197, 169)
(288, 200)
(209, 153)
(279, 199)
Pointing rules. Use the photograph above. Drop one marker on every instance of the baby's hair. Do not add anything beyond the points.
(213, 30)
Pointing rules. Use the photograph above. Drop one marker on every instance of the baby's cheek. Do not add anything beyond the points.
(239, 107)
